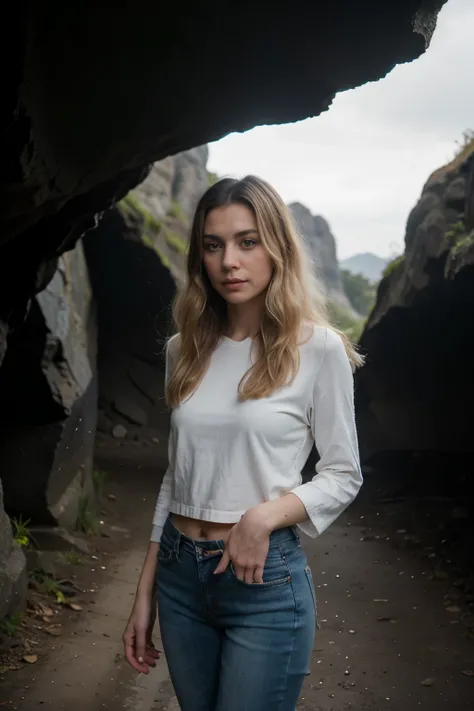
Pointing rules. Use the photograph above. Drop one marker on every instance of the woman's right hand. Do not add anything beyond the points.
(140, 651)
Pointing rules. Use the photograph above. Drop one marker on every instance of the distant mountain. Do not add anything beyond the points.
(368, 264)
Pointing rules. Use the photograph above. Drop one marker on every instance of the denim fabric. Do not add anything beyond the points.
(231, 645)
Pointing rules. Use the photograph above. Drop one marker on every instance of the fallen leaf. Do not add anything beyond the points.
(428, 682)
(452, 608)
(73, 606)
(468, 672)
(30, 658)
(53, 631)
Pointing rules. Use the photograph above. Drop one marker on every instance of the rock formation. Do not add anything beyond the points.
(317, 234)
(147, 235)
(417, 388)
(92, 98)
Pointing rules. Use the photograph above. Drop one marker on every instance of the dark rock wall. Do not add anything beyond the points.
(48, 404)
(147, 235)
(416, 391)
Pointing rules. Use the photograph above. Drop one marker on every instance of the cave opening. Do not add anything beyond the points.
(133, 293)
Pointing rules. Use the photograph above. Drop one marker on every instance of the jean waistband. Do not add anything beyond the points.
(174, 537)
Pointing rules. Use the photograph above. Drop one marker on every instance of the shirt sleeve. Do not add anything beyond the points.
(331, 415)
(164, 497)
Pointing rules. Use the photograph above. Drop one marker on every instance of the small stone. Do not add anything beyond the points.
(30, 658)
(54, 631)
(119, 432)
(75, 607)
(428, 682)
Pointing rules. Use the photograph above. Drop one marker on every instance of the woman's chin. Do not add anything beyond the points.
(238, 298)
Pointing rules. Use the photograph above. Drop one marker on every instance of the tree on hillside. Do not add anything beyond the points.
(359, 290)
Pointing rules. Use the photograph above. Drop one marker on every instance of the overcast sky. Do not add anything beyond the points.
(363, 163)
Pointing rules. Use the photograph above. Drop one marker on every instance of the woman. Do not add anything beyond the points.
(253, 378)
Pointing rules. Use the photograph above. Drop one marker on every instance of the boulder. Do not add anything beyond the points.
(418, 383)
(13, 577)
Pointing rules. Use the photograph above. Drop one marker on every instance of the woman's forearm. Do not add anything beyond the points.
(288, 510)
(147, 576)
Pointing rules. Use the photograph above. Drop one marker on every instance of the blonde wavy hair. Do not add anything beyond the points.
(293, 298)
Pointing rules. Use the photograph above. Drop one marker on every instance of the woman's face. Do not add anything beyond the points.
(237, 264)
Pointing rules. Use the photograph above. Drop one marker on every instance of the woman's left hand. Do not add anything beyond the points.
(247, 547)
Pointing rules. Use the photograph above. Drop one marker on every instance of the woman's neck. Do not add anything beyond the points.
(243, 320)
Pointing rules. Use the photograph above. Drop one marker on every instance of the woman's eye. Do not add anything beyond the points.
(211, 246)
(248, 243)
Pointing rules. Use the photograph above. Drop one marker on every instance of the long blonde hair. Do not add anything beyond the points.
(293, 298)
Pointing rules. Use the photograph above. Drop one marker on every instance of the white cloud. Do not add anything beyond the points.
(363, 163)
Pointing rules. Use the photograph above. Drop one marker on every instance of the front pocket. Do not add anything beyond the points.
(164, 553)
(265, 584)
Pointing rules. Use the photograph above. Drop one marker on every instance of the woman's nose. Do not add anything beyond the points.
(230, 259)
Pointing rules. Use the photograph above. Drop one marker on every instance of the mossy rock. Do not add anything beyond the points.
(394, 265)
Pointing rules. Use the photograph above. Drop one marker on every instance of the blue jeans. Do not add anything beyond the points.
(231, 645)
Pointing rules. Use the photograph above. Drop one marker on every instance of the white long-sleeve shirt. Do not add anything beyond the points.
(226, 456)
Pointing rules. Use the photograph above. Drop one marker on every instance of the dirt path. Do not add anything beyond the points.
(386, 641)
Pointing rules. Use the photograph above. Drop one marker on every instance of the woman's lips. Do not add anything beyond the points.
(234, 285)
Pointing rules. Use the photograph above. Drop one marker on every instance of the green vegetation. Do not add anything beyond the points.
(87, 521)
(10, 624)
(150, 227)
(176, 211)
(465, 144)
(98, 480)
(393, 265)
(21, 532)
(73, 558)
(131, 208)
(175, 241)
(212, 178)
(360, 291)
(48, 585)
(456, 232)
(459, 241)
(345, 322)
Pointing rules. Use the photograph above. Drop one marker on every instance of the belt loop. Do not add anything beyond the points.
(176, 544)
(294, 531)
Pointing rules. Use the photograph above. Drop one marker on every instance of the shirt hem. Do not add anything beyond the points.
(206, 514)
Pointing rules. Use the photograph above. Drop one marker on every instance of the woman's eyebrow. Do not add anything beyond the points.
(241, 233)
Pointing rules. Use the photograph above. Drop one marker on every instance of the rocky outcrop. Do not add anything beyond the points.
(321, 242)
(147, 233)
(13, 581)
(417, 387)
(48, 403)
